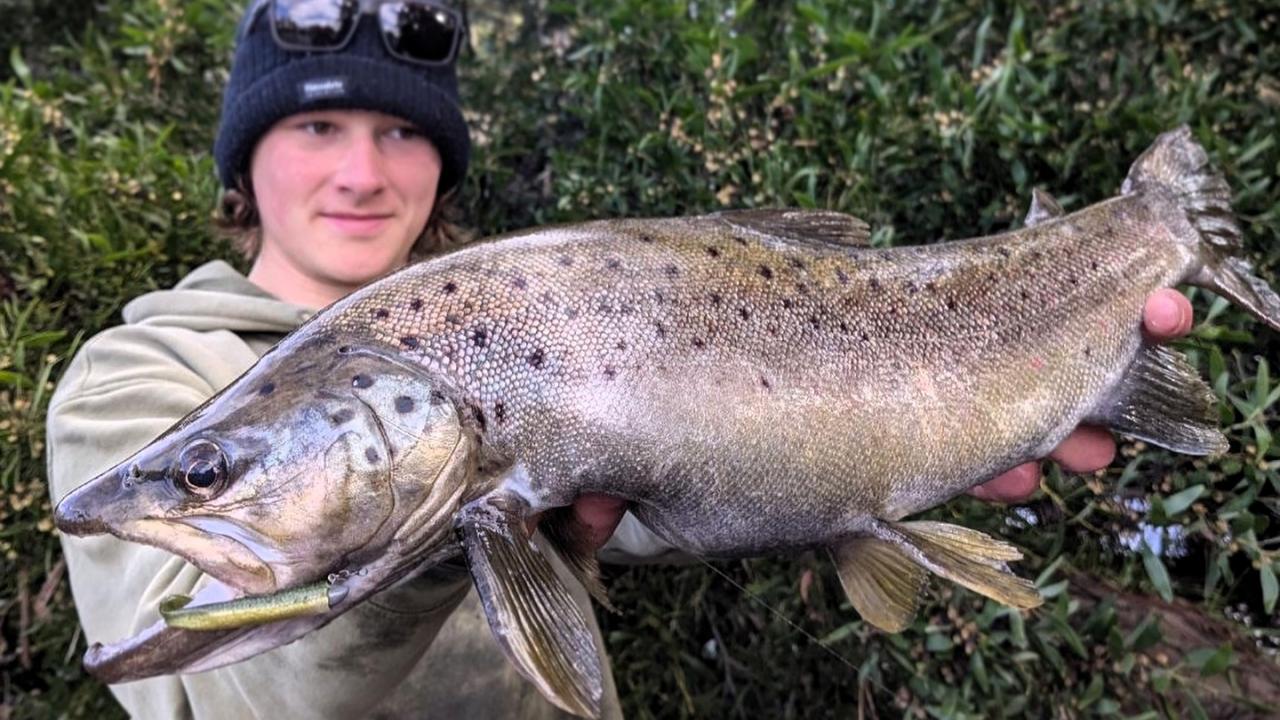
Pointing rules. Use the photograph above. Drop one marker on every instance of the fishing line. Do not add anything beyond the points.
(787, 620)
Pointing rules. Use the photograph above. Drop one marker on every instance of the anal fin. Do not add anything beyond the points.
(882, 582)
(532, 615)
(1163, 401)
(968, 557)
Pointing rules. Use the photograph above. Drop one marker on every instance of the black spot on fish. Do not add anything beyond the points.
(545, 298)
(671, 270)
(772, 328)
(713, 252)
(740, 240)
(342, 416)
(765, 272)
(346, 350)
(788, 303)
(609, 372)
(874, 283)
(404, 404)
(361, 381)
(436, 397)
(626, 308)
(566, 261)
(863, 336)
(699, 343)
(478, 416)
(662, 329)
(764, 383)
(571, 312)
(844, 327)
(536, 359)
(450, 288)
(453, 319)
(1003, 251)
(951, 303)
(520, 283)
(1093, 264)
(371, 454)
(415, 305)
(409, 341)
(1036, 254)
(1073, 279)
(911, 288)
(646, 238)
(613, 264)
(266, 389)
(500, 411)
(842, 276)
(796, 263)
(931, 286)
(480, 337)
(802, 288)
(1025, 295)
(813, 320)
(604, 308)
(622, 345)
(715, 298)
(659, 297)
(381, 313)
(744, 313)
(1088, 352)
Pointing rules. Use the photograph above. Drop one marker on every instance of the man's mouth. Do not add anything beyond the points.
(357, 224)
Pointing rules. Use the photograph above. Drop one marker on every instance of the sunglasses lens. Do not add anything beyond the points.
(420, 32)
(308, 24)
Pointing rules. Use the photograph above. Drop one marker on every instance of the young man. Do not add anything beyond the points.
(334, 161)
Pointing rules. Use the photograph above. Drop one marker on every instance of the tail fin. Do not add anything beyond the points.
(1176, 164)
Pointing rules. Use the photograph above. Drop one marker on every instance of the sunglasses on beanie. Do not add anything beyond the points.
(415, 31)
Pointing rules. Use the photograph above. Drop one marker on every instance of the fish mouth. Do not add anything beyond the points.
(220, 548)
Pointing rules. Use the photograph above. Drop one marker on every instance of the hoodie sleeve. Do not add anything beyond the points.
(123, 389)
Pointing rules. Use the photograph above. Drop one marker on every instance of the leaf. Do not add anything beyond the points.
(1270, 588)
(1210, 661)
(1157, 572)
(1179, 501)
(19, 66)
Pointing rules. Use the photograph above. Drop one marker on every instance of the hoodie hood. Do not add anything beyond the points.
(215, 296)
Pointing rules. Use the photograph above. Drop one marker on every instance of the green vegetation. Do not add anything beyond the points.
(929, 120)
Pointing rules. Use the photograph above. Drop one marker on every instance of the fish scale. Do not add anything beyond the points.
(750, 382)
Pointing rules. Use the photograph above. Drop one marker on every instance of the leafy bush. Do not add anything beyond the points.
(932, 121)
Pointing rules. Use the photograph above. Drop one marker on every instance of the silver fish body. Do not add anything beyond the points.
(751, 382)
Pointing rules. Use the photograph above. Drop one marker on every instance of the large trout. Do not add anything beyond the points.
(751, 382)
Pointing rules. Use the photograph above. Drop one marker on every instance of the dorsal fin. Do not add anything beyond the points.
(822, 226)
(1043, 207)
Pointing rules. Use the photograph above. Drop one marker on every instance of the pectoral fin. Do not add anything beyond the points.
(530, 612)
(968, 557)
(883, 583)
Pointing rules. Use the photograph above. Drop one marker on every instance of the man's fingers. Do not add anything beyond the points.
(1086, 449)
(1167, 315)
(1014, 486)
(598, 515)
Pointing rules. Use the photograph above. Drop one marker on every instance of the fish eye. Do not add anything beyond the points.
(202, 469)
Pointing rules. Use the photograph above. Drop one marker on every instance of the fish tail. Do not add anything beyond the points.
(1176, 164)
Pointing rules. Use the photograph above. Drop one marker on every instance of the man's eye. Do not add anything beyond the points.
(317, 127)
(406, 133)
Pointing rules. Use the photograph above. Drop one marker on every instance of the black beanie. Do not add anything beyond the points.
(269, 83)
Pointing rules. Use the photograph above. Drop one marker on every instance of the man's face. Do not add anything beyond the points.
(342, 194)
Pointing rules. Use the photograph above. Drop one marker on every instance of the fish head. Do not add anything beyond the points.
(325, 458)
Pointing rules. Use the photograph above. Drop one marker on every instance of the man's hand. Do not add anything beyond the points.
(1166, 316)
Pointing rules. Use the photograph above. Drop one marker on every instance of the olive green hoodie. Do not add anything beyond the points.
(421, 649)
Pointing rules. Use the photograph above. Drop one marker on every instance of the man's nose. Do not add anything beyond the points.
(362, 169)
